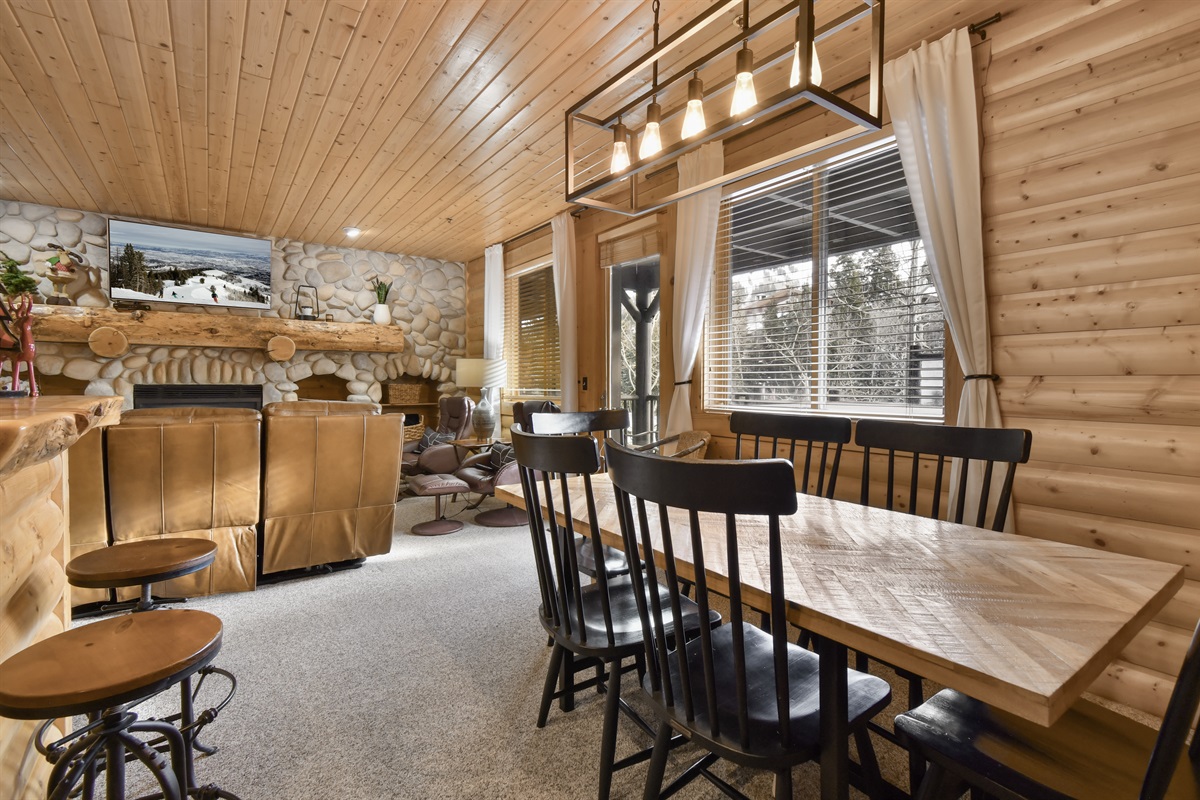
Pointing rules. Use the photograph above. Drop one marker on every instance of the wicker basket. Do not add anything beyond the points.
(404, 393)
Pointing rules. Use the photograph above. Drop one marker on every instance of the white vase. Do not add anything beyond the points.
(383, 314)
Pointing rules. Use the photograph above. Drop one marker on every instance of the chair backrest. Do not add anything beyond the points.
(977, 447)
(790, 429)
(732, 489)
(557, 470)
(454, 416)
(606, 420)
(523, 410)
(1177, 722)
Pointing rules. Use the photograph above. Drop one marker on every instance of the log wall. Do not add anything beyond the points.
(1091, 198)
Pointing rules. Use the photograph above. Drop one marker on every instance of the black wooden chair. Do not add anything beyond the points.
(609, 422)
(742, 693)
(791, 430)
(979, 450)
(594, 623)
(1091, 752)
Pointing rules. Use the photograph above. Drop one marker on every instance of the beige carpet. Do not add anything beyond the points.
(417, 676)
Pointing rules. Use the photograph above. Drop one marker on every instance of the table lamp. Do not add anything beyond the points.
(488, 374)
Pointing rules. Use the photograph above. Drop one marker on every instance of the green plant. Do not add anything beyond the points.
(15, 282)
(381, 289)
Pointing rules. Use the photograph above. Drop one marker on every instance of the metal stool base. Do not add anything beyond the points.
(509, 517)
(437, 527)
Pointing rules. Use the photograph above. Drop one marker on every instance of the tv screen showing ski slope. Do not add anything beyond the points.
(158, 263)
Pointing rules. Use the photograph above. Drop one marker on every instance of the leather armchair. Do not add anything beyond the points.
(454, 417)
(332, 471)
(190, 472)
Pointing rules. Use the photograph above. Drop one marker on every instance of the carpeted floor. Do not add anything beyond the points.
(417, 676)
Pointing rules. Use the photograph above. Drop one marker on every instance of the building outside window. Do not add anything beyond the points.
(822, 299)
(531, 335)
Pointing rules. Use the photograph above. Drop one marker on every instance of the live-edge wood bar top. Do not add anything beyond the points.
(37, 429)
(1020, 623)
(143, 561)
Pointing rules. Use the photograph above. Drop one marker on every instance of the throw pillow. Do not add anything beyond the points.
(430, 438)
(502, 454)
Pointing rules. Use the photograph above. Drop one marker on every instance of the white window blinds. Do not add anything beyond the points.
(822, 299)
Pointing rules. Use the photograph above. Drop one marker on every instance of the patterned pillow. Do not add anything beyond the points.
(502, 454)
(430, 438)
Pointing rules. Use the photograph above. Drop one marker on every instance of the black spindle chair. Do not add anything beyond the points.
(978, 450)
(742, 693)
(595, 623)
(763, 430)
(1091, 752)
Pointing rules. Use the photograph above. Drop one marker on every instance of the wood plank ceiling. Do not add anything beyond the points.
(436, 127)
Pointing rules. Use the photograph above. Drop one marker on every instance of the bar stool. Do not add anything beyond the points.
(143, 563)
(100, 670)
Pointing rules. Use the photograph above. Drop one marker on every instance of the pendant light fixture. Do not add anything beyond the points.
(693, 118)
(744, 96)
(620, 153)
(804, 26)
(651, 142)
(641, 152)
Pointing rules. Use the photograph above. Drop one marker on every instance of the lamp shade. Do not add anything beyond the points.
(476, 372)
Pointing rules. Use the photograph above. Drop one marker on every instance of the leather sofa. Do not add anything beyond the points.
(331, 475)
(188, 472)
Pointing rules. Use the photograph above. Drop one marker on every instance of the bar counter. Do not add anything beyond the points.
(34, 436)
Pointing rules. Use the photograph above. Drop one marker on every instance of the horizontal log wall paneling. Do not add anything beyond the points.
(1091, 195)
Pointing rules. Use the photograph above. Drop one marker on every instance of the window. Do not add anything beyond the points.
(822, 298)
(531, 334)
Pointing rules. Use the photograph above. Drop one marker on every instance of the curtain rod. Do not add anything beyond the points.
(534, 229)
(979, 27)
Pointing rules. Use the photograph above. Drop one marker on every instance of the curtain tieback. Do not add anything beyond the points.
(681, 383)
(987, 377)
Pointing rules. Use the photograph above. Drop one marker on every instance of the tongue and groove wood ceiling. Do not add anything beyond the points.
(436, 127)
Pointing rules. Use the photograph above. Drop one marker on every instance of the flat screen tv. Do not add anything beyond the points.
(177, 265)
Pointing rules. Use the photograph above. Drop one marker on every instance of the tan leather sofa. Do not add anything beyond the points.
(189, 472)
(88, 506)
(331, 475)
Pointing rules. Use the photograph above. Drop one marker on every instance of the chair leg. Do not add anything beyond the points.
(783, 784)
(939, 784)
(552, 675)
(658, 762)
(916, 764)
(608, 736)
(566, 701)
(869, 763)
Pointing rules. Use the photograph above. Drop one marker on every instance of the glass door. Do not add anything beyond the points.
(634, 343)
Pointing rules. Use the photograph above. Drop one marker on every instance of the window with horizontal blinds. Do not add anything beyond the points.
(823, 300)
(531, 335)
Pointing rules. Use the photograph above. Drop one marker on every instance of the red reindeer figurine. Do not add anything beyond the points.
(16, 339)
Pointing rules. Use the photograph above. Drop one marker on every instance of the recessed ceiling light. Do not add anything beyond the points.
(351, 232)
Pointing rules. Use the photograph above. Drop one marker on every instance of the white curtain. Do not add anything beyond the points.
(931, 94)
(563, 239)
(695, 248)
(493, 301)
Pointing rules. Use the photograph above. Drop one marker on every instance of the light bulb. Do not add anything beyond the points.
(693, 118)
(351, 232)
(816, 67)
(651, 142)
(744, 97)
(620, 154)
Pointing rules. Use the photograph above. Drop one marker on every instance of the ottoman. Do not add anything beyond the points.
(436, 486)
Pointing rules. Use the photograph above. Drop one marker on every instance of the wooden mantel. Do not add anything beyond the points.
(178, 329)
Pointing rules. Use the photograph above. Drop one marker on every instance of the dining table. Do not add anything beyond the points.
(1021, 623)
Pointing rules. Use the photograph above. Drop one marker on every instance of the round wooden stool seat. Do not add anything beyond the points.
(140, 562)
(105, 664)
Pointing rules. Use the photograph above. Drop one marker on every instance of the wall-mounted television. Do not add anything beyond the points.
(160, 263)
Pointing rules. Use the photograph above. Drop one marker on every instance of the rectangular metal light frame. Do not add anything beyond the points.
(787, 101)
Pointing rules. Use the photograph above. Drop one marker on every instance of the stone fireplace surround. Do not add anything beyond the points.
(428, 302)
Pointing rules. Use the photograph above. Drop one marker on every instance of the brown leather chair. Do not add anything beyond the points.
(332, 472)
(496, 466)
(189, 472)
(88, 506)
(454, 418)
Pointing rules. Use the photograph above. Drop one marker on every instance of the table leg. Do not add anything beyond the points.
(835, 727)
